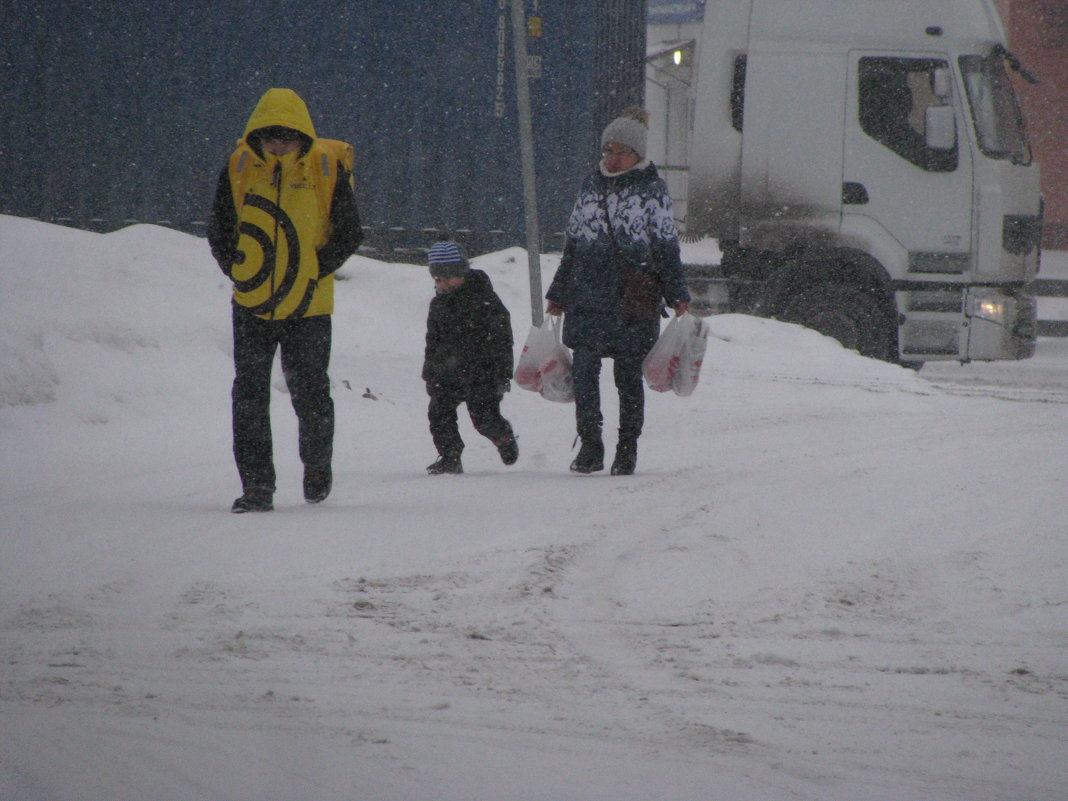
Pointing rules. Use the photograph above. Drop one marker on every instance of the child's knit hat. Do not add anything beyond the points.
(447, 260)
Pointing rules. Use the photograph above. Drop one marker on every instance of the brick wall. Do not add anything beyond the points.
(1038, 34)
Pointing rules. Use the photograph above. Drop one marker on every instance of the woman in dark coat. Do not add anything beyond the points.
(621, 260)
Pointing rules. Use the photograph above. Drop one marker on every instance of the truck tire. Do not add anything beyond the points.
(853, 317)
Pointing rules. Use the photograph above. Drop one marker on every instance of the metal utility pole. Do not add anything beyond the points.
(526, 149)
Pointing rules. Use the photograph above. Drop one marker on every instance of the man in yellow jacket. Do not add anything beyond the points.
(284, 220)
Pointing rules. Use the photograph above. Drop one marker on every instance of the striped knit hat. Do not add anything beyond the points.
(447, 260)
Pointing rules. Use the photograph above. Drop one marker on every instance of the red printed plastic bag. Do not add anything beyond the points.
(545, 364)
(691, 357)
(539, 344)
(663, 360)
(675, 361)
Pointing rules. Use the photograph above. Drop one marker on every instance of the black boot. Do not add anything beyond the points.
(626, 457)
(317, 482)
(509, 450)
(446, 464)
(590, 457)
(254, 500)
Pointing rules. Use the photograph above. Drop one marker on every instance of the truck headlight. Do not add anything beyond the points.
(992, 309)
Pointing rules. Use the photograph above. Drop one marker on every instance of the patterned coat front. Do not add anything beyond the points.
(589, 283)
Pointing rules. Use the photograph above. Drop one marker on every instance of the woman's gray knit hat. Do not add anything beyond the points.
(627, 131)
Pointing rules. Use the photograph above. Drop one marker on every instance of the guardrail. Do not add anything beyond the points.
(1051, 288)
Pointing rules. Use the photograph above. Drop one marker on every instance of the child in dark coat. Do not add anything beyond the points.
(468, 358)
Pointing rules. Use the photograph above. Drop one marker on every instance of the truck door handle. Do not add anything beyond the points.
(854, 194)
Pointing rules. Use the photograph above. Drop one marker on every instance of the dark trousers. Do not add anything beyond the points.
(305, 346)
(627, 372)
(485, 411)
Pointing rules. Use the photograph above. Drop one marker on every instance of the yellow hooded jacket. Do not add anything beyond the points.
(282, 205)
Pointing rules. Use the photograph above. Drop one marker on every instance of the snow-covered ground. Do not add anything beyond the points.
(831, 578)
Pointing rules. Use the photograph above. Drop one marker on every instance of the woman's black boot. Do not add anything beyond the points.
(626, 457)
(590, 457)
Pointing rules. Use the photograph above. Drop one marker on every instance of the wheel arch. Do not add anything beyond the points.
(843, 266)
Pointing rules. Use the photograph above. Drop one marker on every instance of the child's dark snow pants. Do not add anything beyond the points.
(484, 406)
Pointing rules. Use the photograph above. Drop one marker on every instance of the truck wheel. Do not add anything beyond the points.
(851, 316)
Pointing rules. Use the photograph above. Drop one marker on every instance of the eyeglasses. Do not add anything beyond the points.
(608, 150)
(279, 133)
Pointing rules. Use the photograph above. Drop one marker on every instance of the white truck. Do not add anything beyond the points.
(864, 167)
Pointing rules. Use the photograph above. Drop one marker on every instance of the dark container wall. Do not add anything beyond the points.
(118, 112)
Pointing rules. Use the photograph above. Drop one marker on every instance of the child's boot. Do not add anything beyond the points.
(446, 463)
(509, 450)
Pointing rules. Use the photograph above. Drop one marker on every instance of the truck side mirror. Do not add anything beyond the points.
(940, 128)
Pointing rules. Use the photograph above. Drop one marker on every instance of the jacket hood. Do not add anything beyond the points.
(281, 107)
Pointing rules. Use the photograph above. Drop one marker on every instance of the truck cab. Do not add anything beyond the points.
(864, 166)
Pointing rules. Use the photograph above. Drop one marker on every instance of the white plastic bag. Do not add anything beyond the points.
(540, 342)
(545, 364)
(675, 361)
(692, 356)
(661, 362)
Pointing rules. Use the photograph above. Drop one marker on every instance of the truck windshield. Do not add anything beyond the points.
(998, 122)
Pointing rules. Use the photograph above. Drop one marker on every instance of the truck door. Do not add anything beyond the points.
(791, 149)
(919, 196)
